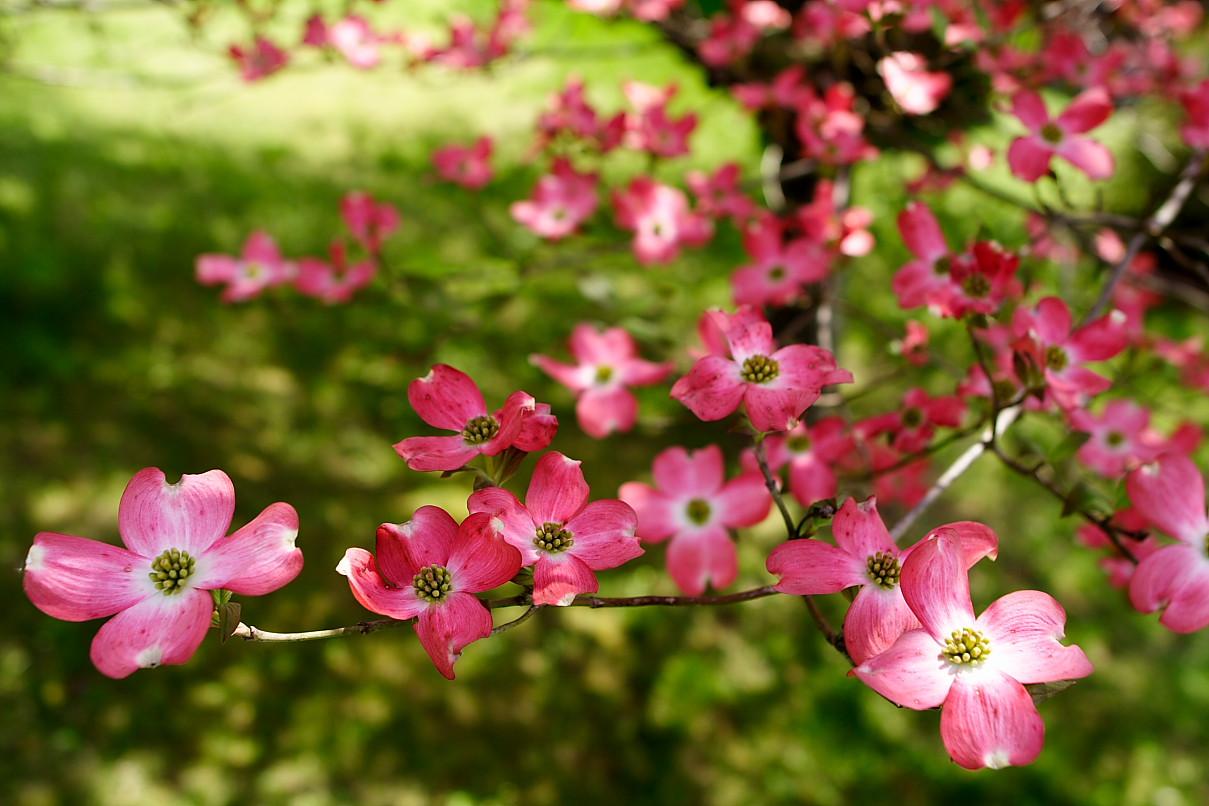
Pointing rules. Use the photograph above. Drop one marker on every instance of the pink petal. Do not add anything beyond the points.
(1092, 158)
(1025, 629)
(261, 248)
(189, 515)
(977, 540)
(538, 429)
(776, 409)
(989, 720)
(657, 514)
(875, 620)
(1029, 157)
(749, 336)
(637, 372)
(936, 585)
(1188, 610)
(427, 539)
(446, 398)
(698, 557)
(557, 490)
(425, 454)
(480, 559)
(446, 629)
(258, 559)
(1170, 494)
(805, 366)
(514, 417)
(1091, 108)
(811, 480)
(214, 269)
(681, 474)
(712, 388)
(1052, 321)
(809, 567)
(742, 502)
(921, 233)
(603, 532)
(375, 593)
(77, 579)
(1101, 339)
(859, 530)
(910, 673)
(1030, 109)
(603, 411)
(559, 578)
(158, 631)
(592, 346)
(513, 521)
(571, 376)
(1161, 578)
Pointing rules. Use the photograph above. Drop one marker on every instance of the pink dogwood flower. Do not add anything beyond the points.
(1120, 569)
(650, 127)
(1195, 130)
(976, 669)
(914, 88)
(1117, 437)
(914, 423)
(660, 218)
(607, 364)
(1045, 334)
(811, 452)
(261, 266)
(780, 267)
(450, 399)
(355, 40)
(429, 569)
(371, 222)
(864, 556)
(468, 166)
(1029, 156)
(846, 232)
(720, 195)
(334, 282)
(925, 280)
(259, 60)
(694, 505)
(565, 538)
(158, 587)
(561, 201)
(774, 385)
(1170, 495)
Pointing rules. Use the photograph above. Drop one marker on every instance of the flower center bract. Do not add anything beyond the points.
(1114, 438)
(1056, 358)
(976, 285)
(170, 570)
(604, 373)
(759, 369)
(884, 570)
(798, 444)
(698, 511)
(776, 274)
(553, 538)
(913, 418)
(481, 429)
(1050, 133)
(966, 647)
(433, 583)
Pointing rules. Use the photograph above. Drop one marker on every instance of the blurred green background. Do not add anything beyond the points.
(127, 148)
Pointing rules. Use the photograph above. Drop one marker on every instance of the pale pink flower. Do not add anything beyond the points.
(1046, 335)
(693, 504)
(259, 60)
(565, 538)
(468, 166)
(258, 268)
(355, 40)
(774, 385)
(1117, 437)
(660, 218)
(334, 282)
(780, 267)
(159, 585)
(925, 280)
(811, 453)
(975, 668)
(1029, 156)
(429, 569)
(864, 556)
(561, 201)
(650, 127)
(914, 88)
(369, 221)
(607, 365)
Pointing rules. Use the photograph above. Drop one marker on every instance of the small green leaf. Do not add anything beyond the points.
(1043, 691)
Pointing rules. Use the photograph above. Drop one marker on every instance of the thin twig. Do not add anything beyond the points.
(774, 489)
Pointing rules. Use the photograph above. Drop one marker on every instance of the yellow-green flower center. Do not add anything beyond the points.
(966, 647)
(170, 570)
(776, 274)
(976, 285)
(604, 373)
(1051, 133)
(913, 418)
(553, 538)
(698, 511)
(883, 569)
(760, 369)
(433, 583)
(799, 443)
(481, 429)
(1114, 438)
(1056, 358)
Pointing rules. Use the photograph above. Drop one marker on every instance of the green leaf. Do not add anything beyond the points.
(1043, 691)
(228, 620)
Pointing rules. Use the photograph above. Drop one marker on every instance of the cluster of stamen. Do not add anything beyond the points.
(170, 570)
(1050, 133)
(1114, 438)
(776, 274)
(884, 570)
(481, 429)
(913, 418)
(433, 583)
(967, 646)
(1056, 358)
(553, 538)
(604, 373)
(798, 443)
(759, 369)
(698, 511)
(976, 285)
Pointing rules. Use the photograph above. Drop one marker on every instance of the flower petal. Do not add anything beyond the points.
(425, 454)
(258, 559)
(859, 530)
(712, 388)
(158, 631)
(989, 720)
(603, 532)
(557, 490)
(936, 585)
(910, 673)
(811, 566)
(1188, 610)
(77, 579)
(1029, 158)
(446, 398)
(811, 479)
(375, 593)
(743, 501)
(189, 515)
(1092, 158)
(698, 557)
(1161, 580)
(481, 559)
(1025, 628)
(559, 578)
(977, 540)
(875, 620)
(446, 629)
(657, 514)
(921, 233)
(1170, 494)
(571, 376)
(603, 411)
(427, 539)
(513, 520)
(683, 474)
(1087, 111)
(1030, 109)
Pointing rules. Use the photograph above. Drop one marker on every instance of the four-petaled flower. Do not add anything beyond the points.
(1029, 156)
(159, 584)
(260, 266)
